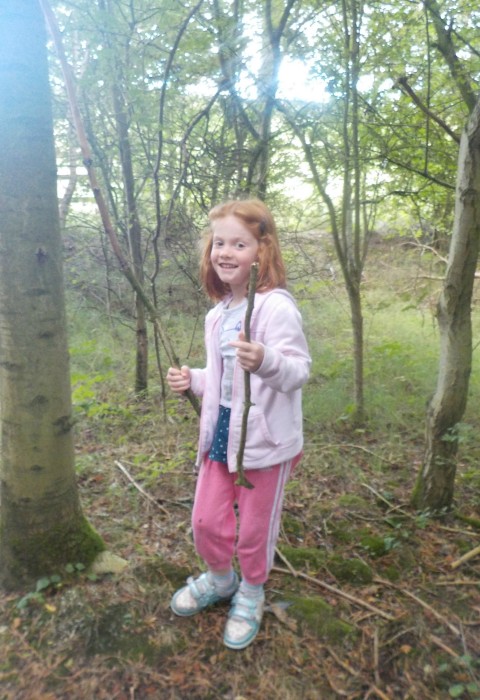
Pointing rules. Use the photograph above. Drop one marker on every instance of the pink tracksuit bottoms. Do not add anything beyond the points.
(214, 520)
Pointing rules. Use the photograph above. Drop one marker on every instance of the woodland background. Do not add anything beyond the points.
(346, 118)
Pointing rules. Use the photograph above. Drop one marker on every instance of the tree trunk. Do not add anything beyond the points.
(355, 299)
(134, 240)
(42, 524)
(435, 484)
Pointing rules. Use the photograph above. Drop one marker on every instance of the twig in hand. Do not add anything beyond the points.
(252, 285)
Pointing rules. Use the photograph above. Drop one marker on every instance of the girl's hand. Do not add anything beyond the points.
(179, 379)
(249, 355)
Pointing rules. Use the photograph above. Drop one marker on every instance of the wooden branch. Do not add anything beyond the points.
(459, 582)
(252, 286)
(403, 83)
(140, 488)
(144, 493)
(465, 557)
(124, 265)
(335, 591)
(421, 602)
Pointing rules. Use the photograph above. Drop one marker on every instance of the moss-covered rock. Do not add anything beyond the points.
(304, 557)
(353, 501)
(342, 532)
(376, 546)
(350, 570)
(391, 573)
(316, 615)
(157, 569)
(292, 525)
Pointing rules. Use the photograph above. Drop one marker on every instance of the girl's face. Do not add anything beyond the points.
(234, 249)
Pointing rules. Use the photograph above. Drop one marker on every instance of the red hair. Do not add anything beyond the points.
(258, 219)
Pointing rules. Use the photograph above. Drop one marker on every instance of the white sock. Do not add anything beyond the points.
(223, 582)
(251, 590)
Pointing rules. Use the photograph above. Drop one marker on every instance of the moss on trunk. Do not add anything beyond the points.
(25, 559)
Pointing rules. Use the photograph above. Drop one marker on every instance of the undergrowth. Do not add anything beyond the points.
(367, 598)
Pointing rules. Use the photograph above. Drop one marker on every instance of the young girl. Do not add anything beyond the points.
(241, 233)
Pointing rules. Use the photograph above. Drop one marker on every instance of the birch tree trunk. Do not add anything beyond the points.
(435, 483)
(42, 524)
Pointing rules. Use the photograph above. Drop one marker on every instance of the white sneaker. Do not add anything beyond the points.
(199, 594)
(243, 621)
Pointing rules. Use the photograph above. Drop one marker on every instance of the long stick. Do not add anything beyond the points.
(336, 591)
(98, 194)
(241, 478)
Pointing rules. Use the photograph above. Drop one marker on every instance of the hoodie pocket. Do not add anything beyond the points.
(258, 433)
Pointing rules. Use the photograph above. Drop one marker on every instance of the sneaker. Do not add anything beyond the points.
(198, 594)
(243, 621)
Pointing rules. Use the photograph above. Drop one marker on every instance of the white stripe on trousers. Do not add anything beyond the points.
(276, 514)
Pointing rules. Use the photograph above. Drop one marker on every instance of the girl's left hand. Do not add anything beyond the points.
(249, 355)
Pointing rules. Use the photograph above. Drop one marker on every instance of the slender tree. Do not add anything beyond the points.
(435, 484)
(42, 523)
(132, 224)
(434, 489)
(337, 129)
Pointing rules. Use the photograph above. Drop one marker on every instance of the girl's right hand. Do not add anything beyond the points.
(179, 379)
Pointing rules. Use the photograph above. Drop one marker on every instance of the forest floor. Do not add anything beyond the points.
(367, 598)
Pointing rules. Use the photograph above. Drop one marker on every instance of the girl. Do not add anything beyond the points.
(241, 233)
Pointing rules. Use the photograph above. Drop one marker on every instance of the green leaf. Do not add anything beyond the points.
(456, 691)
(42, 584)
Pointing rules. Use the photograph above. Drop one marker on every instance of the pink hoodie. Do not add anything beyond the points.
(275, 424)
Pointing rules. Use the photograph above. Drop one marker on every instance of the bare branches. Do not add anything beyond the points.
(124, 265)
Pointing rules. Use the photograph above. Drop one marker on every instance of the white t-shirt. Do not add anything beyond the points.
(230, 327)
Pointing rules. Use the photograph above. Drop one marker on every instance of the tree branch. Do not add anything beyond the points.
(242, 479)
(404, 85)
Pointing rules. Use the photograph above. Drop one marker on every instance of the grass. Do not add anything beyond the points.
(348, 540)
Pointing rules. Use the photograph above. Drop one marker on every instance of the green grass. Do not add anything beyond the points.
(401, 344)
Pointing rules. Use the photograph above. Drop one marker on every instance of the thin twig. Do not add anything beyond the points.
(466, 557)
(421, 602)
(376, 657)
(436, 640)
(286, 562)
(252, 286)
(458, 582)
(336, 591)
(379, 693)
(351, 446)
(343, 664)
(338, 691)
(382, 498)
(140, 488)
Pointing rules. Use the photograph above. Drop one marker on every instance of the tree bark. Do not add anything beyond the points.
(134, 239)
(42, 524)
(435, 483)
